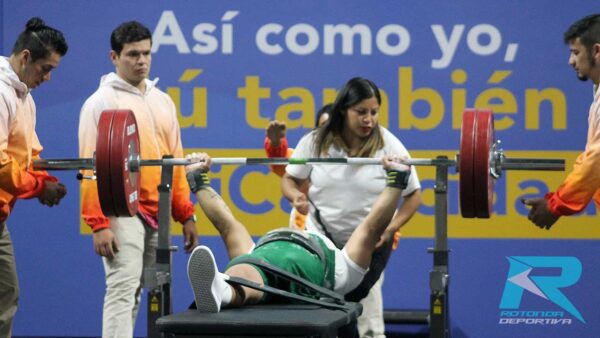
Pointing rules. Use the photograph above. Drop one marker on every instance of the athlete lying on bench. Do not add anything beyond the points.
(308, 255)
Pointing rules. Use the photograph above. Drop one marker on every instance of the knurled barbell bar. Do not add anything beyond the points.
(116, 163)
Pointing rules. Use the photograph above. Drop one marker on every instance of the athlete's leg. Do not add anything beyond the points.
(241, 294)
(211, 290)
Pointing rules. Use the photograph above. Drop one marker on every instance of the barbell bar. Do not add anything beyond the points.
(503, 164)
(136, 163)
(116, 163)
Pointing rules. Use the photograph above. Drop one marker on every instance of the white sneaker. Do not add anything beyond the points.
(205, 279)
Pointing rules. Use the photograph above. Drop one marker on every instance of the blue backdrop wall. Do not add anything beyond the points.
(231, 66)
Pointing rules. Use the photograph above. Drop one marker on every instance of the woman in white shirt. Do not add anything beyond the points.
(340, 196)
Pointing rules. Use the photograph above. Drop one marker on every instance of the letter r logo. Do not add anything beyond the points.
(546, 287)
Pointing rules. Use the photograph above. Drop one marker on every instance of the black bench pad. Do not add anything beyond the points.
(272, 320)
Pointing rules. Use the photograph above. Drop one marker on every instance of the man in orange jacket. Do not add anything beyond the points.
(37, 51)
(583, 182)
(128, 244)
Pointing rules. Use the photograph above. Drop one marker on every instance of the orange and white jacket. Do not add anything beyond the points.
(583, 182)
(159, 135)
(19, 143)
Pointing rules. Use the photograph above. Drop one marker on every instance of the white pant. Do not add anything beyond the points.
(137, 250)
(370, 322)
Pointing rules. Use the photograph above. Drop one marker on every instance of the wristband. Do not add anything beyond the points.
(397, 179)
(197, 180)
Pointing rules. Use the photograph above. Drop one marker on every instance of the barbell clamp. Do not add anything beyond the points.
(496, 160)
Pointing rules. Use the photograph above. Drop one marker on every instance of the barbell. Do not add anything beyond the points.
(116, 163)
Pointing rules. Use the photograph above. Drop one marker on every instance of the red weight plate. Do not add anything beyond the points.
(103, 145)
(484, 183)
(124, 144)
(465, 165)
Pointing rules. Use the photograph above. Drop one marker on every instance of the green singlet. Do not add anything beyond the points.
(294, 259)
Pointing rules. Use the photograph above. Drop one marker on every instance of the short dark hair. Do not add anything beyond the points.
(40, 40)
(587, 30)
(128, 32)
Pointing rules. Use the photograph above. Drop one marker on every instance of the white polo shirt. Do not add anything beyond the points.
(344, 194)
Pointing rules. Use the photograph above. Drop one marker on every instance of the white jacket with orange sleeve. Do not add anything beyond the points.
(19, 143)
(583, 183)
(159, 134)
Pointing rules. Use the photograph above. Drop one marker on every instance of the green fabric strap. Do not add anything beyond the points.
(397, 179)
(197, 180)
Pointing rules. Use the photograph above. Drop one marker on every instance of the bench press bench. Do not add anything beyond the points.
(265, 320)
